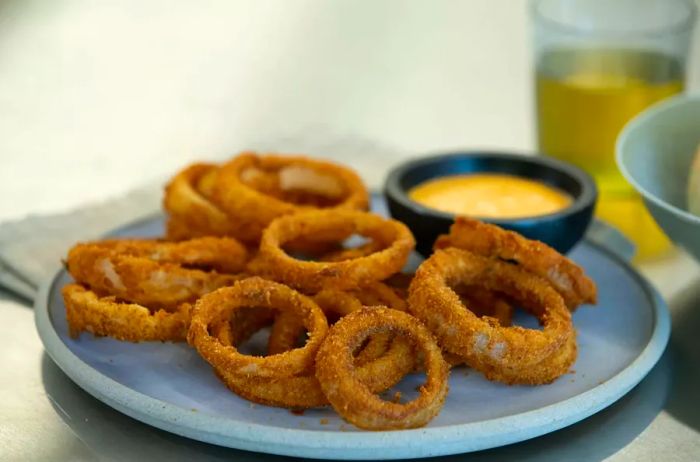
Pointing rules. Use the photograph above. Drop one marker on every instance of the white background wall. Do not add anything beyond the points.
(97, 97)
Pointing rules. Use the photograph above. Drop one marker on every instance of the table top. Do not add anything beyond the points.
(90, 111)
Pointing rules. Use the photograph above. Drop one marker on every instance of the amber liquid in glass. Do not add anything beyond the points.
(584, 98)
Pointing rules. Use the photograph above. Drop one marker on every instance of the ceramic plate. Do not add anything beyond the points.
(170, 387)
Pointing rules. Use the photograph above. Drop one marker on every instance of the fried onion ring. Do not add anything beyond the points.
(105, 316)
(191, 210)
(335, 304)
(285, 333)
(508, 354)
(483, 303)
(352, 399)
(313, 276)
(304, 391)
(299, 184)
(147, 281)
(221, 254)
(256, 292)
(536, 257)
(373, 294)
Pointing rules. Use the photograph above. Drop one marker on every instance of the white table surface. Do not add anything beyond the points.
(97, 97)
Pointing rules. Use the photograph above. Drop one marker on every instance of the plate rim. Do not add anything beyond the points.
(413, 443)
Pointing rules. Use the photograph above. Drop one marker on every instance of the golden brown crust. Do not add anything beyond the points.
(312, 276)
(241, 197)
(352, 399)
(257, 292)
(105, 316)
(536, 257)
(304, 391)
(222, 254)
(335, 303)
(258, 207)
(190, 212)
(509, 354)
(150, 272)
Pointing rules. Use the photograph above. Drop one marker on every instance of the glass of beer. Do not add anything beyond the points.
(598, 63)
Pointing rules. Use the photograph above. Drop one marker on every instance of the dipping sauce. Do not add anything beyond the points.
(490, 196)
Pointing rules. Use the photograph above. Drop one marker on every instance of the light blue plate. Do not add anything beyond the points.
(168, 385)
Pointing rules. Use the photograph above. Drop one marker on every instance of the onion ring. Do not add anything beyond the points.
(508, 354)
(536, 257)
(373, 294)
(105, 316)
(142, 280)
(546, 371)
(483, 303)
(287, 329)
(303, 392)
(313, 276)
(256, 292)
(343, 302)
(297, 178)
(285, 333)
(191, 212)
(352, 399)
(221, 254)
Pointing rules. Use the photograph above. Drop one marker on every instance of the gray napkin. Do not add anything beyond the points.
(31, 249)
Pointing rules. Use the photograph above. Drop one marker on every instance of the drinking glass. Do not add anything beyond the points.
(598, 63)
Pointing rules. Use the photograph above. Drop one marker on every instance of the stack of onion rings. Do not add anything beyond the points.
(156, 274)
(295, 216)
(136, 290)
(301, 184)
(335, 304)
(536, 257)
(286, 378)
(507, 354)
(241, 197)
(304, 391)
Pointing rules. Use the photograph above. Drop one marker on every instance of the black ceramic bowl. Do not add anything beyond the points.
(561, 230)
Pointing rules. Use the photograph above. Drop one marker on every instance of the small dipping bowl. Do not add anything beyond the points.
(561, 230)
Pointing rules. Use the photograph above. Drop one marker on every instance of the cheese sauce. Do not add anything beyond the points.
(490, 196)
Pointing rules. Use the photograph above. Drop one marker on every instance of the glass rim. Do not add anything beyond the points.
(684, 25)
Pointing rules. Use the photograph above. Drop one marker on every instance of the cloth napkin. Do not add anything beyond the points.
(32, 248)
